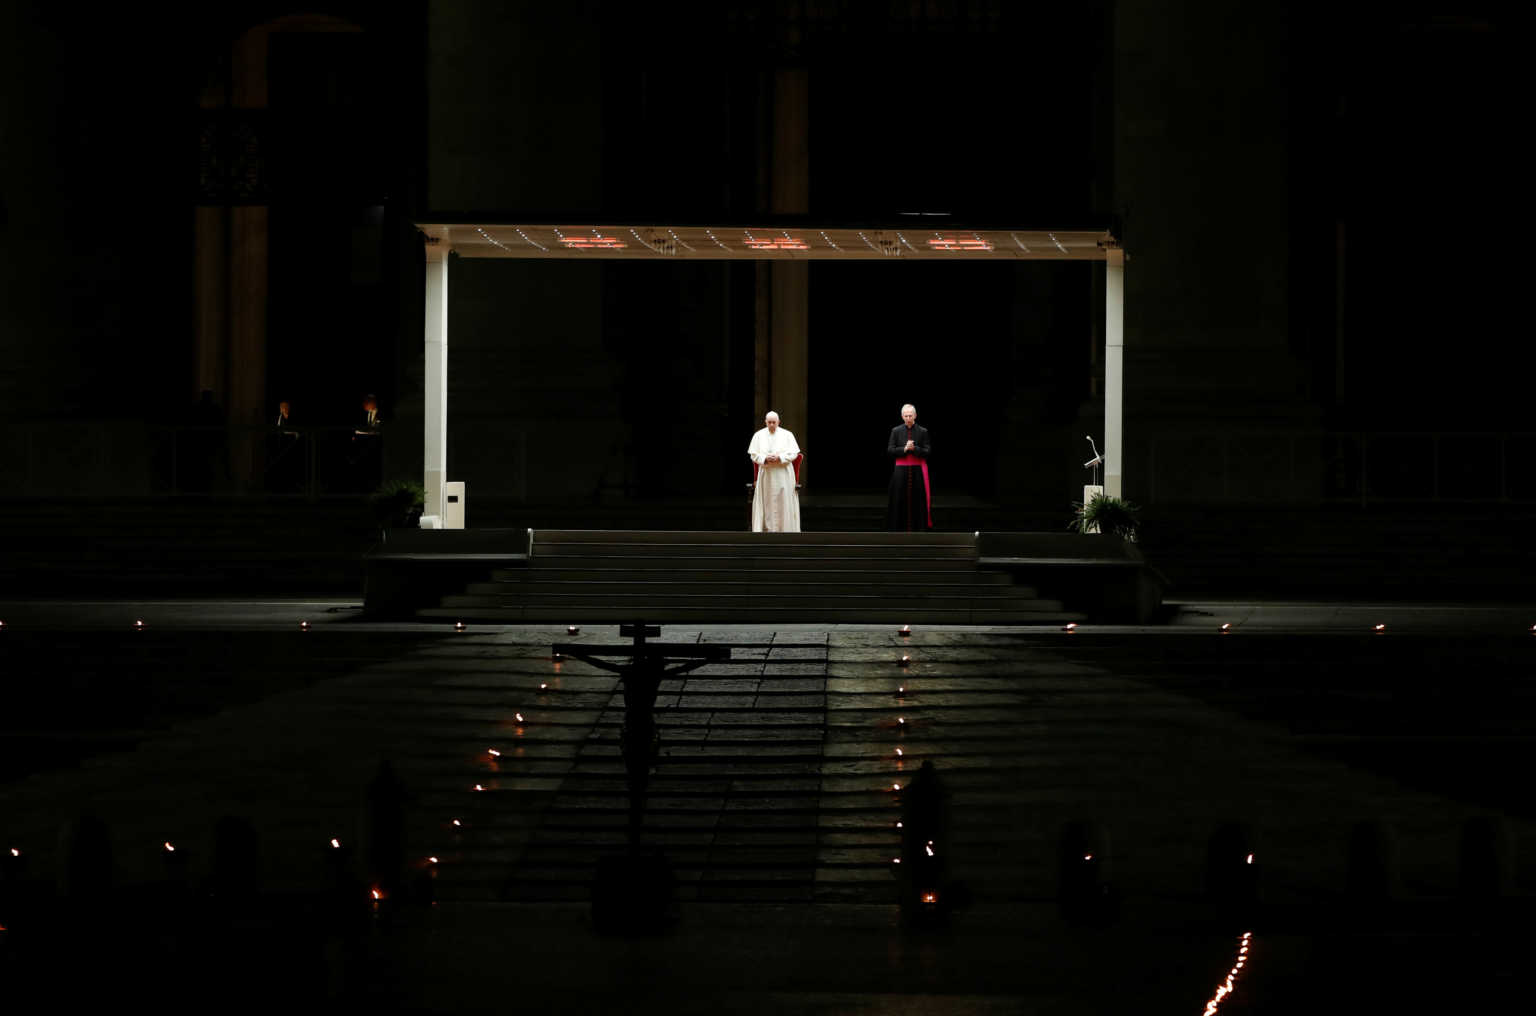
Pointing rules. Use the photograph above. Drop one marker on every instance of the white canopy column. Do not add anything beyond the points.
(435, 383)
(1114, 368)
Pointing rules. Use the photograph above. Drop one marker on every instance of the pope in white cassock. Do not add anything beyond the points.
(775, 505)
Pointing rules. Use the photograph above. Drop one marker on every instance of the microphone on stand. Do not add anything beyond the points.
(1097, 458)
(1094, 462)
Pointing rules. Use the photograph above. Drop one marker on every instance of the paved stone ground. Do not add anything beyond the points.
(773, 797)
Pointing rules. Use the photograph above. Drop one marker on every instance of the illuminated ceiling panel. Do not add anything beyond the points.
(575, 241)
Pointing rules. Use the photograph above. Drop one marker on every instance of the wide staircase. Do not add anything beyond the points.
(573, 576)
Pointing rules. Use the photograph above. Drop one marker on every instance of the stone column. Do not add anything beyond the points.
(434, 451)
(1114, 370)
(248, 253)
(788, 282)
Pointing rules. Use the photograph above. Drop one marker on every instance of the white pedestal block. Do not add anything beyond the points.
(453, 504)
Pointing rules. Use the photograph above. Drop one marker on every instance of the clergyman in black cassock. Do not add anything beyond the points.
(908, 509)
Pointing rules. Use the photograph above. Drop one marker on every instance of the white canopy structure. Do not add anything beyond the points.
(924, 238)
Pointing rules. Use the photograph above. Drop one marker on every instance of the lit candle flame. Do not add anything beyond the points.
(929, 848)
(494, 753)
(1380, 627)
(1071, 626)
(898, 751)
(479, 787)
(930, 897)
(519, 717)
(901, 719)
(378, 895)
(138, 624)
(431, 860)
(901, 689)
(303, 626)
(1227, 626)
(1087, 857)
(895, 786)
(1229, 985)
(898, 825)
(458, 823)
(15, 852)
(458, 626)
(543, 685)
(1250, 859)
(170, 848)
(895, 860)
(906, 629)
(335, 843)
(572, 629)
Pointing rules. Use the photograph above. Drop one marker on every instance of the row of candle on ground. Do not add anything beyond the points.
(1231, 870)
(904, 631)
(140, 625)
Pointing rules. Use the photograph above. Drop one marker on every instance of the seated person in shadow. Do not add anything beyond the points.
(366, 459)
(285, 453)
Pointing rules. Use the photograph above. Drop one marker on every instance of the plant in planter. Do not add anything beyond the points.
(396, 505)
(1112, 516)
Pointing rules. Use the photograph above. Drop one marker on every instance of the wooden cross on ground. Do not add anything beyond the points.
(648, 664)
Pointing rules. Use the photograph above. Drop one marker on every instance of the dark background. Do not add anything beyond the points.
(1319, 206)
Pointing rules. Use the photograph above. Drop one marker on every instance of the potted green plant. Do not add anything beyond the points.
(1112, 516)
(396, 504)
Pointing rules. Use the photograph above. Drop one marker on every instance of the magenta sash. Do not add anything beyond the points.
(913, 460)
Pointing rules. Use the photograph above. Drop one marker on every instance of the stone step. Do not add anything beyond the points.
(724, 577)
(657, 538)
(790, 585)
(668, 597)
(752, 561)
(1037, 612)
(730, 571)
(764, 552)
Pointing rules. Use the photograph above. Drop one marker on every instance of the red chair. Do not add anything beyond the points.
(794, 462)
